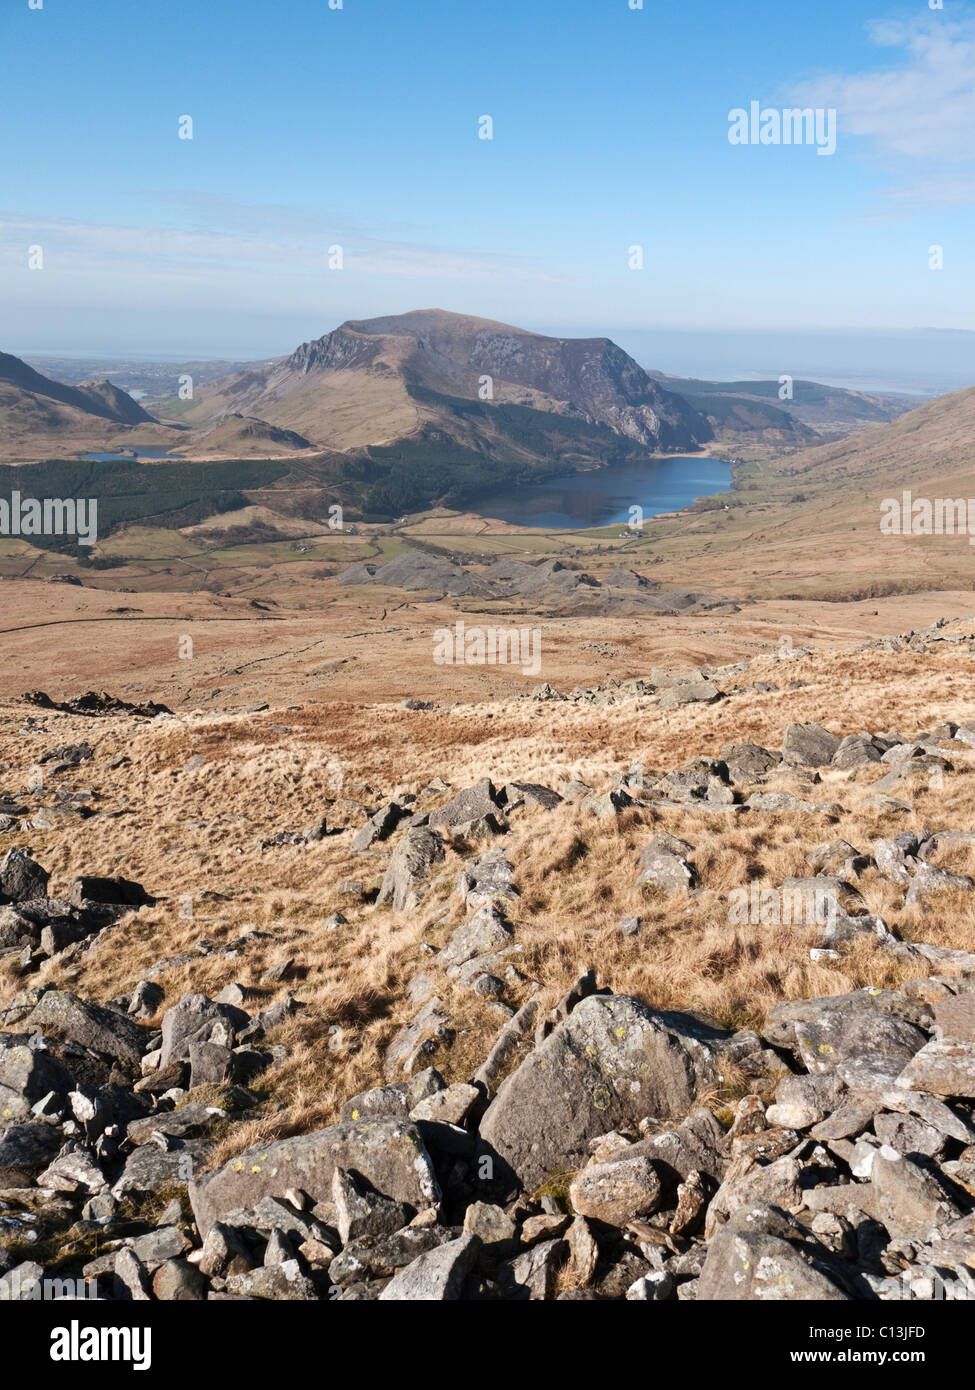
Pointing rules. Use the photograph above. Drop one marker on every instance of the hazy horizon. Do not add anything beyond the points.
(923, 362)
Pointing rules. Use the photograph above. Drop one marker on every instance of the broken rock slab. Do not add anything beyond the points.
(409, 868)
(482, 933)
(663, 864)
(66, 1016)
(388, 1153)
(809, 745)
(908, 1200)
(943, 1067)
(416, 1040)
(763, 1255)
(473, 804)
(436, 1276)
(609, 1064)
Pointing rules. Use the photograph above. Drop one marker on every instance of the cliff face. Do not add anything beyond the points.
(375, 381)
(591, 379)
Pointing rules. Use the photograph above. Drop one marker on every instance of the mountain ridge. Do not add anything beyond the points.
(95, 397)
(590, 379)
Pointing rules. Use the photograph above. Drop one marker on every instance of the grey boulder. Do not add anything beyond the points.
(437, 1276)
(409, 867)
(609, 1064)
(809, 745)
(762, 1255)
(387, 1153)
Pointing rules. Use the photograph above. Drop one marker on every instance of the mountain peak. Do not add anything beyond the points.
(460, 355)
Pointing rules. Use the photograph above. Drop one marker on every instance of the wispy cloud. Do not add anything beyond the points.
(227, 246)
(919, 110)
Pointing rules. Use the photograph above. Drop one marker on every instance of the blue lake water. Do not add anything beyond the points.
(604, 496)
(142, 454)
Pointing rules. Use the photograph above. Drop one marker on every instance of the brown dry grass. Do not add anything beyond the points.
(192, 833)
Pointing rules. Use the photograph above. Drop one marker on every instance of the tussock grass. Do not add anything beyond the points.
(191, 834)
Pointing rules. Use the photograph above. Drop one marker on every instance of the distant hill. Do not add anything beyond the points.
(755, 411)
(99, 398)
(437, 404)
(809, 525)
(117, 404)
(932, 446)
(35, 408)
(156, 379)
(749, 420)
(246, 437)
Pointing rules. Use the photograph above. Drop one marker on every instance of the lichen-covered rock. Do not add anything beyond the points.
(697, 1145)
(395, 1100)
(378, 827)
(472, 804)
(485, 931)
(616, 1191)
(27, 1075)
(26, 1149)
(360, 1212)
(533, 1274)
(21, 877)
(762, 1255)
(533, 794)
(115, 891)
(663, 864)
(197, 1019)
(909, 1201)
(424, 1034)
(783, 1019)
(809, 745)
(409, 867)
(609, 1064)
(388, 1153)
(150, 1169)
(76, 1020)
(944, 1067)
(747, 762)
(929, 881)
(690, 693)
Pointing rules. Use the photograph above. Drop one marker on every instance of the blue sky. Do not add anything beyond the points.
(358, 127)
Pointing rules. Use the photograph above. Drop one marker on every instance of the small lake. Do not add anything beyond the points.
(130, 458)
(604, 496)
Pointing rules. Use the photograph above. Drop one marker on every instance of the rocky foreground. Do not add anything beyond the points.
(597, 1149)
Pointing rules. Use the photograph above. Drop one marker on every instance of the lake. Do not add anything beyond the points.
(128, 458)
(604, 496)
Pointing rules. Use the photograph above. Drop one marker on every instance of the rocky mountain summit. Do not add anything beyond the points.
(452, 354)
(425, 408)
(511, 1141)
(589, 377)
